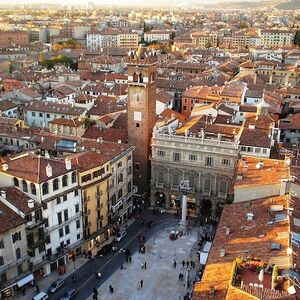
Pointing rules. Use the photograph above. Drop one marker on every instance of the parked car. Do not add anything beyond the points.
(70, 293)
(41, 296)
(105, 250)
(55, 286)
(120, 235)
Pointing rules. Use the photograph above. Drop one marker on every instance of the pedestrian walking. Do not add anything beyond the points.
(174, 263)
(191, 263)
(37, 288)
(111, 289)
(145, 265)
(142, 265)
(142, 283)
(187, 264)
(183, 263)
(95, 291)
(129, 259)
(179, 276)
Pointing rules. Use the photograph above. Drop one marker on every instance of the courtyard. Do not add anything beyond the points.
(160, 278)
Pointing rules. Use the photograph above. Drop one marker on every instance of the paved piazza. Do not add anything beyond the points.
(160, 278)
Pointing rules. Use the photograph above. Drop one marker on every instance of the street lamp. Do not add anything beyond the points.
(184, 188)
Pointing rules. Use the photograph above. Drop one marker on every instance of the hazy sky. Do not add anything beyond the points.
(120, 2)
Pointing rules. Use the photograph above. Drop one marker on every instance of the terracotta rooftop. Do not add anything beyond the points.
(290, 122)
(247, 239)
(9, 219)
(67, 122)
(19, 199)
(52, 107)
(258, 171)
(32, 167)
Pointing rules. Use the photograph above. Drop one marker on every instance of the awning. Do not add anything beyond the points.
(203, 257)
(25, 280)
(207, 247)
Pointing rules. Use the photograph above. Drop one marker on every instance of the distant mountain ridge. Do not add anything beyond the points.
(292, 4)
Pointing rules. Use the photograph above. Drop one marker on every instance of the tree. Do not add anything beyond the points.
(297, 38)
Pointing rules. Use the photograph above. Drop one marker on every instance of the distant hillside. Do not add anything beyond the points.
(240, 4)
(292, 4)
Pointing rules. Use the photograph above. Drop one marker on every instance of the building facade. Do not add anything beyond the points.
(207, 163)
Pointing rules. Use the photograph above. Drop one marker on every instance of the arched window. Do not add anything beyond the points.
(45, 188)
(73, 177)
(141, 78)
(160, 177)
(16, 181)
(65, 180)
(18, 253)
(24, 186)
(32, 188)
(55, 184)
(176, 179)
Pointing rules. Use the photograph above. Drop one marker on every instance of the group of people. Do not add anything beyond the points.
(140, 284)
(144, 265)
(188, 263)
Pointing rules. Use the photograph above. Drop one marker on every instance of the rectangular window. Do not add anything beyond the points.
(3, 277)
(67, 229)
(208, 161)
(1, 261)
(33, 114)
(77, 224)
(161, 153)
(78, 236)
(58, 200)
(193, 157)
(48, 116)
(59, 219)
(76, 208)
(1, 244)
(20, 269)
(226, 162)
(65, 197)
(137, 166)
(76, 193)
(176, 156)
(66, 215)
(61, 232)
(40, 115)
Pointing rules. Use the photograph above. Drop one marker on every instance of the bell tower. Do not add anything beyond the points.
(141, 113)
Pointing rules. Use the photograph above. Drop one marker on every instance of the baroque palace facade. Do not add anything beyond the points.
(207, 162)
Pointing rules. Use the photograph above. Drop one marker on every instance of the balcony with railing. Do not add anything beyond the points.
(124, 199)
(86, 212)
(34, 224)
(196, 140)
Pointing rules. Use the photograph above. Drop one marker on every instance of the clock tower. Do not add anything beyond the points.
(141, 113)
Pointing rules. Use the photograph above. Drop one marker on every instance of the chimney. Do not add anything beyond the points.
(5, 167)
(3, 194)
(119, 141)
(68, 164)
(30, 203)
(283, 186)
(49, 171)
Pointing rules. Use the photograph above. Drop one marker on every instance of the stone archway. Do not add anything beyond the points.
(206, 207)
(160, 199)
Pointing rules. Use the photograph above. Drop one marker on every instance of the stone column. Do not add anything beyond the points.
(183, 222)
(184, 207)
